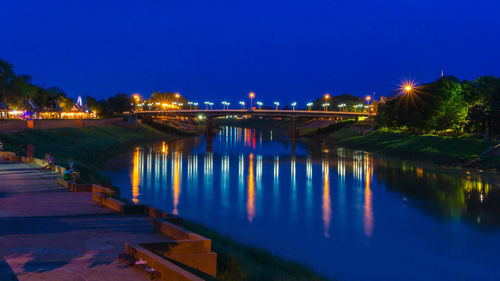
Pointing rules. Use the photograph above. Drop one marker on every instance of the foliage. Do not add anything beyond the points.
(16, 90)
(446, 104)
(349, 100)
(461, 150)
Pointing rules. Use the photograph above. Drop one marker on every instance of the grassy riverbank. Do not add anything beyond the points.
(89, 146)
(236, 261)
(462, 151)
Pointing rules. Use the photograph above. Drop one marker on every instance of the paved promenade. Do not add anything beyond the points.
(49, 233)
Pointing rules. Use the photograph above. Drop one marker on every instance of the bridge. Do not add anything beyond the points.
(209, 114)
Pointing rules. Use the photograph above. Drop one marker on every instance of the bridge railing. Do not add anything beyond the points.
(257, 111)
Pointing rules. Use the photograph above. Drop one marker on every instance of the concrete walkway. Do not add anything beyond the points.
(49, 233)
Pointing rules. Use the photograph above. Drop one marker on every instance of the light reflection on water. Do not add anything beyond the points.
(337, 209)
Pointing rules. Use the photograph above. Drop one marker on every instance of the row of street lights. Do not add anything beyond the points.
(225, 104)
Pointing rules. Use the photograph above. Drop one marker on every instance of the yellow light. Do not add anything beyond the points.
(327, 96)
(177, 95)
(408, 86)
(136, 97)
(252, 94)
(368, 98)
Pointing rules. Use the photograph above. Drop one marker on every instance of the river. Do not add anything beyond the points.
(351, 214)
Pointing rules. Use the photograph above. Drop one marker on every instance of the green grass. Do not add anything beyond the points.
(451, 150)
(236, 261)
(89, 146)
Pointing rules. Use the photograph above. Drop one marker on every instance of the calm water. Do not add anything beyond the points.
(351, 214)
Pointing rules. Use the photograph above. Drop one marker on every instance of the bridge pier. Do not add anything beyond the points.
(209, 127)
(209, 140)
(293, 128)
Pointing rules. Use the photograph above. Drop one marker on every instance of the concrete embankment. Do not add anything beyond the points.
(50, 233)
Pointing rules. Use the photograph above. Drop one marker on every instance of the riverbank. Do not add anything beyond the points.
(465, 151)
(92, 145)
(236, 261)
(88, 146)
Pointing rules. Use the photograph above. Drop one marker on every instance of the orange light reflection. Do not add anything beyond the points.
(251, 190)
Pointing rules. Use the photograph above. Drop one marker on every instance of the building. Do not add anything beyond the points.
(79, 111)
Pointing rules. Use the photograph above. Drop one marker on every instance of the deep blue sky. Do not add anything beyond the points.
(284, 50)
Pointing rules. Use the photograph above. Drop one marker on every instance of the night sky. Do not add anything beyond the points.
(222, 49)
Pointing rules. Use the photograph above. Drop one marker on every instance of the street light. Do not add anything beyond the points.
(259, 103)
(137, 99)
(408, 86)
(277, 104)
(206, 105)
(190, 104)
(327, 96)
(252, 94)
(309, 105)
(195, 105)
(293, 105)
(242, 103)
(325, 105)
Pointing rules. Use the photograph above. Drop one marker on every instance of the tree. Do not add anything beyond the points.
(6, 72)
(96, 106)
(118, 103)
(477, 119)
(167, 97)
(450, 108)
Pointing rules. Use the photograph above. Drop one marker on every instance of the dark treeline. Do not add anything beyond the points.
(19, 93)
(447, 105)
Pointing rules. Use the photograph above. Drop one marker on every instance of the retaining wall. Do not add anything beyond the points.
(19, 125)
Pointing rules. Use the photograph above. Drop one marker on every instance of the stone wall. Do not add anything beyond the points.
(19, 125)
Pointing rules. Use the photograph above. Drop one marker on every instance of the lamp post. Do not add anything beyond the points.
(277, 104)
(206, 105)
(137, 99)
(195, 105)
(260, 105)
(325, 106)
(252, 95)
(242, 103)
(309, 105)
(293, 105)
(190, 104)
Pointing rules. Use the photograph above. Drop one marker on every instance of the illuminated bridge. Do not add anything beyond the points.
(209, 114)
